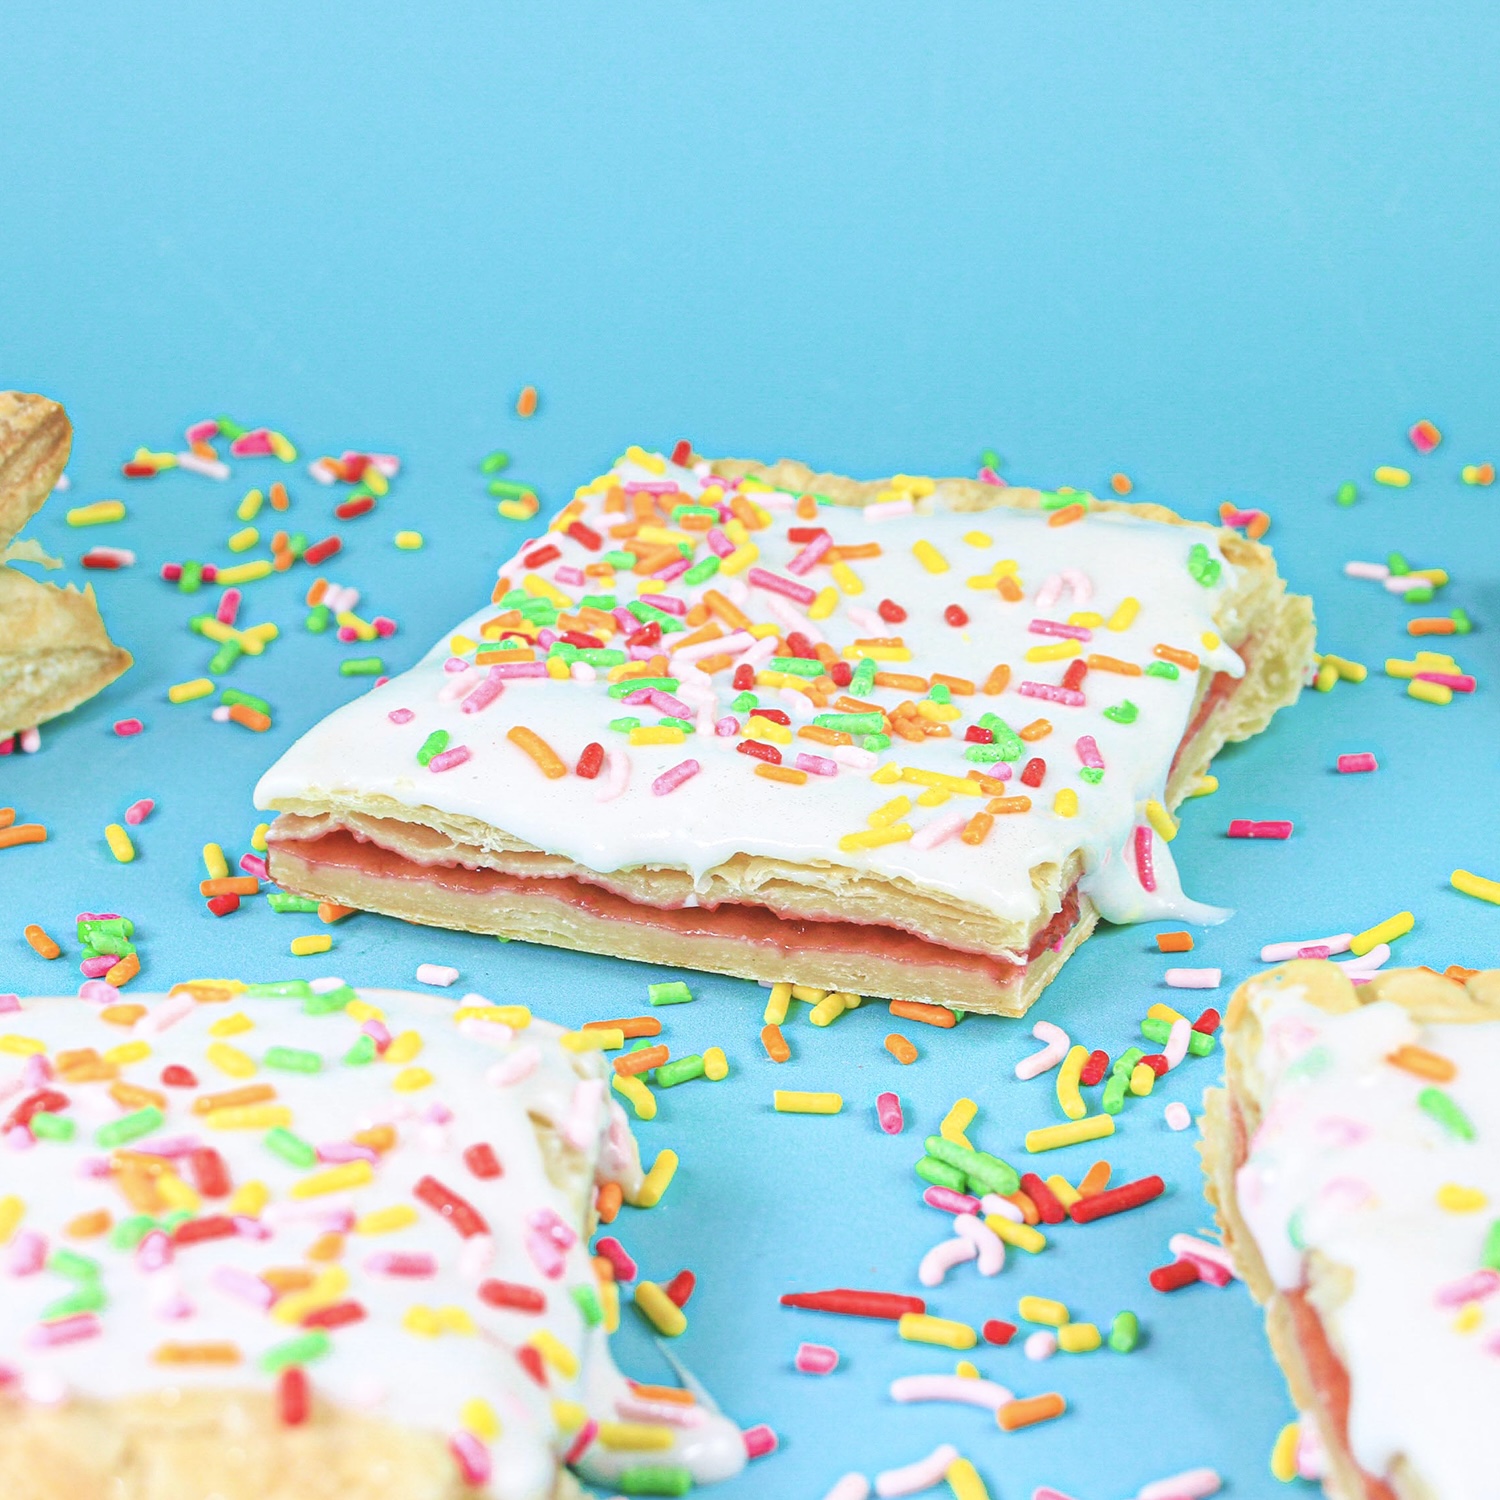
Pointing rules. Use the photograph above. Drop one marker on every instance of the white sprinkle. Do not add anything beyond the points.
(1177, 1116)
(1196, 1484)
(1376, 571)
(1276, 953)
(922, 1475)
(1194, 979)
(1056, 1049)
(1040, 1345)
(439, 974)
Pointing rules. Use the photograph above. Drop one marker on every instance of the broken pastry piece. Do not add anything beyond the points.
(318, 1244)
(35, 440)
(1353, 1161)
(906, 739)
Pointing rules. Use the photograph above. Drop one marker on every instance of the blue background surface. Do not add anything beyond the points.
(1232, 252)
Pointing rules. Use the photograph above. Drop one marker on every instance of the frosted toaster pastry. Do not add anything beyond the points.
(908, 739)
(1354, 1163)
(294, 1242)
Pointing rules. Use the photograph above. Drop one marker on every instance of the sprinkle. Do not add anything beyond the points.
(186, 692)
(1442, 1108)
(526, 402)
(119, 843)
(888, 1112)
(799, 1102)
(1055, 1048)
(659, 1310)
(1193, 979)
(1245, 828)
(920, 1328)
(97, 514)
(545, 757)
(1389, 474)
(673, 777)
(1383, 932)
(438, 974)
(1116, 1200)
(1051, 1137)
(1362, 761)
(1161, 820)
(1026, 1413)
(816, 1359)
(1462, 880)
(1177, 1116)
(304, 947)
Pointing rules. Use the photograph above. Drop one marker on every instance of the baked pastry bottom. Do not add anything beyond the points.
(1316, 1375)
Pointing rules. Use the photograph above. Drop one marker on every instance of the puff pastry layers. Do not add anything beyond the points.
(735, 874)
(1329, 1168)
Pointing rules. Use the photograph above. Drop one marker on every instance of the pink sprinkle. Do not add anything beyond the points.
(817, 765)
(1208, 1270)
(1143, 863)
(727, 727)
(255, 444)
(401, 716)
(774, 583)
(1460, 682)
(718, 543)
(1088, 752)
(573, 577)
(673, 778)
(1424, 437)
(1364, 761)
(1244, 828)
(64, 1331)
(483, 694)
(1471, 1288)
(581, 1444)
(9, 1004)
(519, 669)
(241, 1284)
(888, 1110)
(662, 702)
(940, 830)
(472, 1456)
(377, 1030)
(1317, 950)
(154, 1251)
(97, 968)
(949, 1201)
(455, 664)
(545, 1254)
(411, 1263)
(988, 476)
(816, 1359)
(614, 1252)
(672, 571)
(229, 607)
(28, 1254)
(253, 864)
(809, 556)
(446, 760)
(667, 603)
(1052, 694)
(202, 432)
(342, 1151)
(759, 1441)
(96, 992)
(384, 626)
(127, 727)
(1056, 627)
(139, 811)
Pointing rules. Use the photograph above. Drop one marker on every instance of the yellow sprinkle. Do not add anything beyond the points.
(517, 1017)
(1063, 1190)
(1078, 1338)
(419, 1320)
(1090, 1128)
(938, 713)
(119, 843)
(934, 796)
(742, 557)
(1210, 641)
(802, 1102)
(127, 1053)
(715, 1064)
(1164, 1012)
(186, 692)
(348, 1174)
(1470, 1316)
(1065, 803)
(386, 1220)
(304, 947)
(97, 513)
(1284, 1453)
(923, 1328)
(659, 1310)
(458, 644)
(877, 653)
(521, 509)
(656, 734)
(1390, 474)
(21, 1046)
(362, 1010)
(539, 588)
(250, 1198)
(1022, 1236)
(409, 541)
(1042, 1310)
(596, 1040)
(957, 1120)
(476, 1415)
(1067, 1086)
(1383, 932)
(609, 1302)
(929, 557)
(965, 1370)
(1429, 692)
(1204, 786)
(1161, 820)
(230, 1060)
(1475, 885)
(846, 578)
(642, 1100)
(176, 1194)
(214, 862)
(232, 1025)
(453, 1319)
(656, 1181)
(569, 1415)
(808, 993)
(888, 812)
(1327, 678)
(963, 786)
(635, 1437)
(873, 838)
(777, 1003)
(979, 539)
(248, 1117)
(258, 837)
(1142, 1080)
(409, 1080)
(963, 1479)
(827, 1010)
(825, 604)
(248, 572)
(757, 728)
(12, 1211)
(404, 1046)
(1460, 1200)
(886, 774)
(249, 507)
(1349, 671)
(1124, 617)
(243, 540)
(1057, 651)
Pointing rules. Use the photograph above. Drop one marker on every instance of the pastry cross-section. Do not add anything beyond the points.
(907, 738)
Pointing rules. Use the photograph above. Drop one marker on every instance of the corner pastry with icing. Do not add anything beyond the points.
(908, 738)
(1353, 1161)
(300, 1242)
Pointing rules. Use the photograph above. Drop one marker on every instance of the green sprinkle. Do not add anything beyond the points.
(1461, 625)
(1113, 1100)
(989, 1172)
(47, 1126)
(1313, 1063)
(795, 666)
(983, 755)
(930, 1169)
(284, 901)
(625, 725)
(493, 463)
(1294, 1231)
(1489, 1256)
(1440, 1105)
(76, 1267)
(225, 657)
(940, 692)
(1091, 774)
(702, 570)
(298, 1351)
(361, 666)
(515, 599)
(871, 723)
(685, 725)
(1199, 1044)
(656, 1479)
(1421, 594)
(319, 617)
(1348, 493)
(680, 1070)
(602, 656)
(1124, 1332)
(108, 942)
(434, 744)
(1124, 1064)
(328, 1002)
(563, 651)
(634, 684)
(248, 700)
(129, 1232)
(587, 1301)
(1397, 564)
(229, 428)
(1165, 669)
(863, 680)
(120, 926)
(1052, 500)
(363, 1051)
(290, 1148)
(84, 1299)
(989, 459)
(604, 603)
(671, 992)
(293, 1060)
(1124, 712)
(129, 1127)
(281, 989)
(619, 559)
(1007, 741)
(874, 742)
(744, 703)
(191, 578)
(296, 543)
(508, 489)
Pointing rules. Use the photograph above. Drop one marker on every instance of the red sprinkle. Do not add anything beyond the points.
(1174, 1277)
(582, 641)
(775, 715)
(585, 536)
(760, 750)
(44, 1100)
(977, 734)
(842, 673)
(798, 644)
(1073, 677)
(680, 1288)
(221, 906)
(856, 1304)
(481, 1160)
(1208, 1022)
(590, 761)
(1047, 1205)
(347, 510)
(682, 452)
(292, 1397)
(336, 1315)
(1244, 828)
(648, 635)
(318, 552)
(1094, 1069)
(998, 1331)
(1116, 1200)
(459, 1212)
(1157, 1063)
(542, 556)
(955, 616)
(210, 1175)
(125, 727)
(530, 1360)
(513, 1295)
(134, 470)
(890, 612)
(1033, 772)
(744, 678)
(209, 1227)
(175, 1076)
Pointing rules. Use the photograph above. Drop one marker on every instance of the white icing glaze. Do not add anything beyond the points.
(1346, 1163)
(488, 1082)
(726, 809)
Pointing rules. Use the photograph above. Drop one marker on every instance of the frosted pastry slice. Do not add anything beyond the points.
(906, 738)
(1354, 1159)
(293, 1242)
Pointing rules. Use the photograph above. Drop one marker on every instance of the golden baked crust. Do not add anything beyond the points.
(54, 650)
(35, 440)
(1231, 1117)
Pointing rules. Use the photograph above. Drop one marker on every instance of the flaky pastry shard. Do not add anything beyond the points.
(35, 440)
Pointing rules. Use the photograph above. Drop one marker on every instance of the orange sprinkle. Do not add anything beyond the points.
(899, 1048)
(1095, 1180)
(775, 1044)
(641, 1062)
(1428, 626)
(229, 885)
(280, 500)
(821, 736)
(1067, 515)
(1112, 664)
(538, 749)
(252, 1093)
(611, 1196)
(133, 1096)
(86, 1226)
(1008, 805)
(1459, 973)
(289, 1278)
(675, 1394)
(715, 663)
(632, 1026)
(1038, 729)
(379, 1138)
(1010, 590)
(22, 833)
(807, 508)
(729, 612)
(205, 450)
(122, 1015)
(711, 631)
(997, 681)
(847, 705)
(903, 682)
(251, 718)
(919, 1010)
(1174, 942)
(124, 971)
(196, 1354)
(326, 1247)
(526, 401)
(789, 774)
(1184, 659)
(1120, 484)
(96, 1070)
(331, 912)
(7, 816)
(977, 829)
(1259, 526)
(655, 560)
(960, 685)
(1423, 1063)
(1023, 1201)
(747, 513)
(854, 552)
(1033, 1409)
(41, 943)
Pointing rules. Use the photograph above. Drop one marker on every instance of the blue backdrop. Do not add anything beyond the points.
(1233, 252)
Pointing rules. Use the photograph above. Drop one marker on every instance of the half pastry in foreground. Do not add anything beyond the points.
(294, 1242)
(906, 738)
(1354, 1159)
